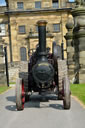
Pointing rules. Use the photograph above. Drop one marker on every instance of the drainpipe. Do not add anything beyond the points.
(9, 30)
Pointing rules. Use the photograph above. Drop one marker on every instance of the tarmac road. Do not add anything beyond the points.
(40, 113)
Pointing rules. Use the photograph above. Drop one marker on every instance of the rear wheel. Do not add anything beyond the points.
(20, 94)
(66, 90)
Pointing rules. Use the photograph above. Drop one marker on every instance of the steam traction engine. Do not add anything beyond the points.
(47, 72)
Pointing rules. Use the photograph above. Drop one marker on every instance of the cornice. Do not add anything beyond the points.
(37, 11)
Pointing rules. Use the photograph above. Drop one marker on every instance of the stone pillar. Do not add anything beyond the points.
(79, 39)
(3, 80)
(70, 49)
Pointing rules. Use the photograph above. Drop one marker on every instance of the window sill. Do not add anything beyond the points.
(38, 8)
(56, 31)
(19, 8)
(70, 2)
(22, 33)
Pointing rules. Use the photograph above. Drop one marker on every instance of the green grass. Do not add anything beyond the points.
(3, 89)
(12, 83)
(78, 90)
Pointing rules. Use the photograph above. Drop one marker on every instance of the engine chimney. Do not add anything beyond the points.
(42, 37)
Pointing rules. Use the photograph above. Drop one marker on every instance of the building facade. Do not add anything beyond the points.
(19, 29)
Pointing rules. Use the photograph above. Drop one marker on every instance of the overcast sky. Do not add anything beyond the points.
(2, 2)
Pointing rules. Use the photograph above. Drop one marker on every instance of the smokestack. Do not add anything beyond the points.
(42, 36)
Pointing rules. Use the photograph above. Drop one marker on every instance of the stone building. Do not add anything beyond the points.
(19, 29)
(18, 22)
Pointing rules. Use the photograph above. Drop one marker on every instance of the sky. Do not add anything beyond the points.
(2, 2)
(71, 0)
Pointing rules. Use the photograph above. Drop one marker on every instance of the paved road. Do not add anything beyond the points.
(44, 114)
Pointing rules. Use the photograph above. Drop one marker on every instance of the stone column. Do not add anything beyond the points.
(81, 47)
(70, 49)
(79, 39)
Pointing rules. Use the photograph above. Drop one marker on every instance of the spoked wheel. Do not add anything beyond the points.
(66, 90)
(20, 94)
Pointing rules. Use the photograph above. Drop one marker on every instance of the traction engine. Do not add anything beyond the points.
(47, 72)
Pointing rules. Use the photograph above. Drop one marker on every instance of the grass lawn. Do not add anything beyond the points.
(78, 90)
(12, 83)
(3, 89)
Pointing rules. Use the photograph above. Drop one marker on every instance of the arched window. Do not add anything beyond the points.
(23, 54)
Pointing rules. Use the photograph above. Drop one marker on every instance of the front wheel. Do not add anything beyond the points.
(66, 89)
(20, 94)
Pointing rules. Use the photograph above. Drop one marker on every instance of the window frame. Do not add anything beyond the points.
(1, 33)
(55, 2)
(37, 2)
(23, 54)
(22, 32)
(55, 30)
(22, 7)
(64, 4)
(36, 28)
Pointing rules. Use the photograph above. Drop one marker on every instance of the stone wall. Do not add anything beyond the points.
(20, 40)
(15, 68)
(13, 71)
(30, 4)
